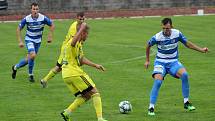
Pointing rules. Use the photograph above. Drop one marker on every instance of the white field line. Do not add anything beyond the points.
(105, 63)
(128, 59)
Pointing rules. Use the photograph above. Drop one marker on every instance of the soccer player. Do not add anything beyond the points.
(80, 17)
(79, 83)
(167, 62)
(35, 23)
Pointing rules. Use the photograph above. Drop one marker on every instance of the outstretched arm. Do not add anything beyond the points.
(78, 34)
(50, 34)
(19, 37)
(147, 57)
(85, 61)
(195, 47)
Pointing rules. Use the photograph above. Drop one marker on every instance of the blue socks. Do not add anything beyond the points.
(185, 85)
(155, 90)
(21, 63)
(30, 66)
(157, 85)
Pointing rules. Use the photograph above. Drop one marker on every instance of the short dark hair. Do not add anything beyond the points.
(166, 21)
(81, 14)
(34, 4)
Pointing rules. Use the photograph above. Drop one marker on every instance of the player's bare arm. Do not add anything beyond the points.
(19, 37)
(147, 63)
(50, 34)
(195, 47)
(86, 61)
(78, 34)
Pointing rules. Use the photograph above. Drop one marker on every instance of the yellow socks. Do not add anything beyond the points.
(51, 74)
(77, 102)
(80, 100)
(98, 105)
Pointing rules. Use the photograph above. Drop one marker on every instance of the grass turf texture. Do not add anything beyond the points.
(118, 44)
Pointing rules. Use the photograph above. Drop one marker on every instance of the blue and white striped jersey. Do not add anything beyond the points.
(167, 46)
(35, 27)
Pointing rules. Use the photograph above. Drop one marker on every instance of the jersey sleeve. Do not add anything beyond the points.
(22, 23)
(47, 21)
(182, 38)
(152, 41)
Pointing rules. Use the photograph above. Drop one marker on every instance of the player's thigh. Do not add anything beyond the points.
(79, 83)
(69, 82)
(32, 47)
(84, 83)
(159, 70)
(176, 69)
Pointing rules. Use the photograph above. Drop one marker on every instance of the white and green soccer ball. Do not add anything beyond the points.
(125, 107)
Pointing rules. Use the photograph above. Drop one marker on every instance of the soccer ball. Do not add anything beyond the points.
(125, 107)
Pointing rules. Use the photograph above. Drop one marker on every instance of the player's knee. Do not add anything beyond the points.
(32, 56)
(94, 91)
(91, 93)
(158, 77)
(58, 69)
(87, 95)
(184, 75)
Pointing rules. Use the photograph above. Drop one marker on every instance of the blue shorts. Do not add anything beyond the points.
(167, 68)
(32, 46)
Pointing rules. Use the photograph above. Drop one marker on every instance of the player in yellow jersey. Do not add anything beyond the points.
(80, 17)
(79, 83)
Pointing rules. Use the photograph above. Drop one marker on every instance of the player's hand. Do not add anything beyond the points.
(205, 49)
(49, 38)
(49, 41)
(21, 44)
(147, 63)
(100, 67)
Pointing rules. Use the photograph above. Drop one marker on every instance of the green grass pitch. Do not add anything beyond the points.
(118, 44)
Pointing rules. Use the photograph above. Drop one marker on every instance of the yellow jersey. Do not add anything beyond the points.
(72, 31)
(71, 60)
(70, 34)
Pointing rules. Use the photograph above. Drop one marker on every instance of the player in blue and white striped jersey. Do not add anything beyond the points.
(167, 62)
(35, 23)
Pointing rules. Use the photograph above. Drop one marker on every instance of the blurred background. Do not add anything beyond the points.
(66, 9)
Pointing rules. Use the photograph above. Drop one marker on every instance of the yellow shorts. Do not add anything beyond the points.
(79, 84)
